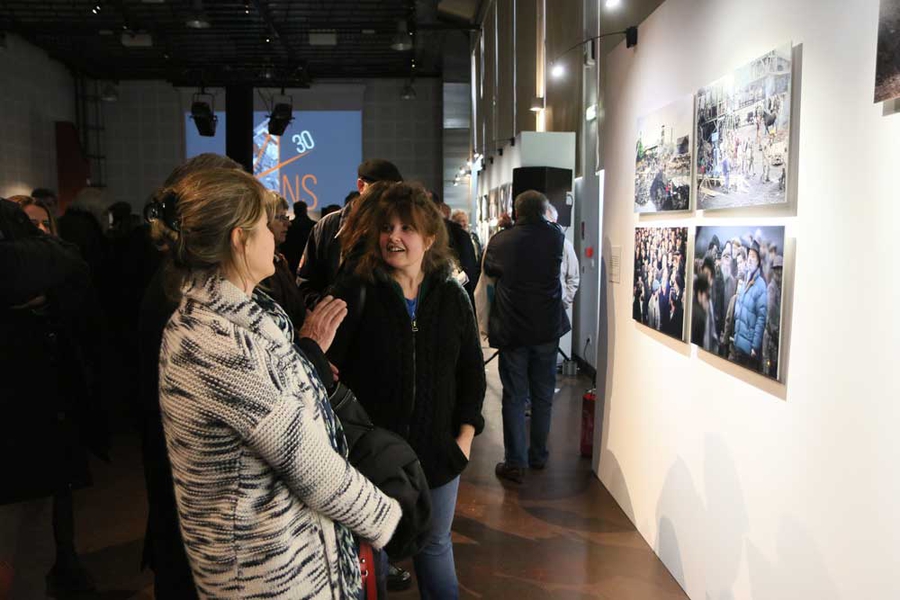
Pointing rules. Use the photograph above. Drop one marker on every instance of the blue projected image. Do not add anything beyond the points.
(314, 161)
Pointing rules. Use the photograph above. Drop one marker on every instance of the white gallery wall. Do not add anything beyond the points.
(744, 487)
(35, 92)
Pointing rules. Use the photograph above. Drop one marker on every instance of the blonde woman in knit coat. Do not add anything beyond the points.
(267, 502)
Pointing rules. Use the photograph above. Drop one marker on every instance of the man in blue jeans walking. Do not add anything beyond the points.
(527, 319)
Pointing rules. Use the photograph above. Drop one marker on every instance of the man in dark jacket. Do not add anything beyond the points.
(526, 322)
(297, 236)
(321, 260)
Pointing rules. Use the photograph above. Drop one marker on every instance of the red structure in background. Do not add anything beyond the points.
(587, 422)
(72, 166)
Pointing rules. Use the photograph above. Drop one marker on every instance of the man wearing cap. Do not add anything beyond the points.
(773, 320)
(322, 258)
(750, 313)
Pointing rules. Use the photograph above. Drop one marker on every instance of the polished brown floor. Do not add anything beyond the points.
(560, 535)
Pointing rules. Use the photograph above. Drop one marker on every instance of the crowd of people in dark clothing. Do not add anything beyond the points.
(374, 299)
(659, 276)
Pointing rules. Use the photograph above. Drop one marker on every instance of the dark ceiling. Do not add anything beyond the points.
(247, 41)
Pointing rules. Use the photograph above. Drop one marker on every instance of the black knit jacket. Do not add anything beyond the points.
(421, 384)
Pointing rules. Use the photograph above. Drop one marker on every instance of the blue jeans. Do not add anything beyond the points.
(434, 564)
(527, 371)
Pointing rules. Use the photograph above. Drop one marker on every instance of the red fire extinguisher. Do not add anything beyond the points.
(587, 422)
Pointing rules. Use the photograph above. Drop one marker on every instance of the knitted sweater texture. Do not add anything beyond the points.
(257, 482)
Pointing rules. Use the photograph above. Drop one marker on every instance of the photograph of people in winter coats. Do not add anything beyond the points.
(736, 310)
(660, 258)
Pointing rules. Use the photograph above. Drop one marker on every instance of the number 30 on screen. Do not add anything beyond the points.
(304, 141)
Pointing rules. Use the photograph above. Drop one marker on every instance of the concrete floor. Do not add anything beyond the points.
(560, 535)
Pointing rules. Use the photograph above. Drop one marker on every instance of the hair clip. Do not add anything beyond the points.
(164, 208)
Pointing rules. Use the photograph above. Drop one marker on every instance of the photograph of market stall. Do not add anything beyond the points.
(743, 133)
(662, 174)
(887, 65)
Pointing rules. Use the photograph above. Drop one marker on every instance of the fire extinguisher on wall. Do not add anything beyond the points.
(588, 401)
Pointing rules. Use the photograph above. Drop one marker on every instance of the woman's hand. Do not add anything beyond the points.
(335, 373)
(464, 439)
(322, 323)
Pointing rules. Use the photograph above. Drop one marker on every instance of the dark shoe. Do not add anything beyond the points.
(537, 466)
(398, 579)
(72, 579)
(514, 474)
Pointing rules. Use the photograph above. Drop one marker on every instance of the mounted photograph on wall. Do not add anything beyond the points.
(887, 64)
(743, 135)
(662, 172)
(737, 294)
(660, 257)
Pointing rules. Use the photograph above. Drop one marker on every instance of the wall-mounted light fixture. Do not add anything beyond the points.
(537, 104)
(557, 70)
(590, 113)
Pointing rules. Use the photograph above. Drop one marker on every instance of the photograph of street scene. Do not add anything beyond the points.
(887, 64)
(743, 133)
(662, 174)
(736, 310)
(660, 256)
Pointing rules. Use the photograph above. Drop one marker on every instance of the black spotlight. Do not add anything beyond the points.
(631, 37)
(204, 116)
(281, 116)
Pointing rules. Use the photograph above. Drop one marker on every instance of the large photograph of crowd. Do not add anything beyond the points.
(737, 295)
(660, 257)
(743, 133)
(662, 174)
(887, 64)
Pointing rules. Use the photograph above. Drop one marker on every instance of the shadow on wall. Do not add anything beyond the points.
(797, 572)
(604, 355)
(712, 535)
(702, 543)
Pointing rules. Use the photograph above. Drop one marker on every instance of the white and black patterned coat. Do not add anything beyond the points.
(257, 482)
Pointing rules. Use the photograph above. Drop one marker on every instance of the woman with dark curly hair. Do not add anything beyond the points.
(410, 350)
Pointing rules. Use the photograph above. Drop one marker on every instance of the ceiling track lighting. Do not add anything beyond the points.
(198, 19)
(408, 92)
(402, 40)
(204, 114)
(109, 92)
(282, 114)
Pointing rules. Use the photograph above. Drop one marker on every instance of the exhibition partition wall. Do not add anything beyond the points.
(778, 480)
